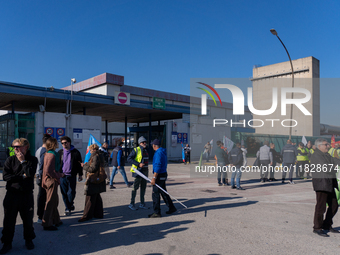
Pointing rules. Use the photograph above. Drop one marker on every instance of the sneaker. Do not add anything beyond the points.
(262, 180)
(291, 182)
(51, 228)
(129, 185)
(171, 211)
(39, 221)
(72, 208)
(225, 184)
(67, 212)
(132, 207)
(6, 248)
(29, 244)
(240, 188)
(154, 215)
(112, 187)
(283, 180)
(274, 180)
(220, 184)
(142, 206)
(233, 187)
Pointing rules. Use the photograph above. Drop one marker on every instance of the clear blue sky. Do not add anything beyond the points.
(162, 44)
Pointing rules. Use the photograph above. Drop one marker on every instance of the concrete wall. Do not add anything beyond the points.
(175, 152)
(306, 75)
(88, 124)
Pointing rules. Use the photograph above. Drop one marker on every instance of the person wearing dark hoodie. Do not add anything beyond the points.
(160, 175)
(71, 166)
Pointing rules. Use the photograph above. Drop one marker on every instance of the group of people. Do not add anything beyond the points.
(53, 169)
(291, 157)
(319, 162)
(235, 158)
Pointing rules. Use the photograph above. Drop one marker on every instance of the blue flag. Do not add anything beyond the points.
(92, 140)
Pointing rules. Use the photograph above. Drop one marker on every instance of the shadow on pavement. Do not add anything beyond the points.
(202, 204)
(114, 230)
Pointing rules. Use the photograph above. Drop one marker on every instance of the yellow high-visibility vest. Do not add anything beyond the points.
(301, 157)
(331, 151)
(138, 158)
(11, 151)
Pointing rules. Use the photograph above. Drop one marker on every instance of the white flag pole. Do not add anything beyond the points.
(146, 178)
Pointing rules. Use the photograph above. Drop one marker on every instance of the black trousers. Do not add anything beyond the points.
(301, 168)
(322, 198)
(23, 203)
(156, 193)
(93, 207)
(187, 158)
(41, 201)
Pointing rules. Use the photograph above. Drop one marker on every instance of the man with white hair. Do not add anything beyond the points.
(324, 183)
(266, 160)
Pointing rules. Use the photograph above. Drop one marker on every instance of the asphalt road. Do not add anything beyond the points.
(266, 218)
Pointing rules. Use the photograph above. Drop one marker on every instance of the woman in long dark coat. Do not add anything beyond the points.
(93, 201)
(50, 181)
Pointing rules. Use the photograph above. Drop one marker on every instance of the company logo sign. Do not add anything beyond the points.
(239, 99)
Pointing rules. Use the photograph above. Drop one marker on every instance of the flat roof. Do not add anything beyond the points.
(27, 98)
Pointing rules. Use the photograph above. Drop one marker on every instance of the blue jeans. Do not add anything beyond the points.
(207, 154)
(68, 190)
(238, 175)
(114, 172)
(289, 166)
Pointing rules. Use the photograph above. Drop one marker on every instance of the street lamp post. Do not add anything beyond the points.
(273, 31)
(73, 80)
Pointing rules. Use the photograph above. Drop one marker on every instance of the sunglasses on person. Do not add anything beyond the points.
(64, 143)
(17, 147)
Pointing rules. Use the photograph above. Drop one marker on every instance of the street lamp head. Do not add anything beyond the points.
(73, 80)
(273, 31)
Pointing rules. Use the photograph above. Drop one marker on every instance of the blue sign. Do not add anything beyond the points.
(185, 138)
(50, 131)
(179, 137)
(59, 133)
(77, 133)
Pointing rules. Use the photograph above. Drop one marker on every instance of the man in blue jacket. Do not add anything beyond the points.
(160, 162)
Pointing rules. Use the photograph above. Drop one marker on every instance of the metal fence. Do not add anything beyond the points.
(254, 141)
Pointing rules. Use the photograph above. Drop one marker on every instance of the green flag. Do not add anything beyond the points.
(200, 162)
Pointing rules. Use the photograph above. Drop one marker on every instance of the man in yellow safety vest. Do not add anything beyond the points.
(139, 158)
(302, 160)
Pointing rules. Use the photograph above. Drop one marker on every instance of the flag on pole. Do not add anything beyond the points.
(229, 144)
(183, 153)
(92, 140)
(304, 141)
(200, 162)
